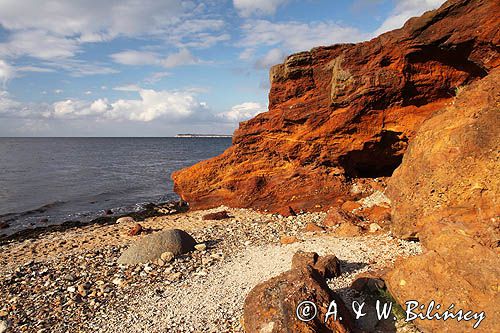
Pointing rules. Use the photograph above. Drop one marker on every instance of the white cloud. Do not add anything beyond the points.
(296, 36)
(38, 44)
(68, 108)
(6, 103)
(10, 108)
(128, 88)
(58, 91)
(80, 68)
(151, 105)
(181, 58)
(88, 92)
(35, 69)
(175, 106)
(91, 20)
(131, 57)
(205, 40)
(247, 8)
(197, 33)
(6, 72)
(273, 57)
(155, 77)
(100, 105)
(404, 10)
(57, 29)
(247, 53)
(242, 112)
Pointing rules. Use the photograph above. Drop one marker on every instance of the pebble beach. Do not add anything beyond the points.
(70, 281)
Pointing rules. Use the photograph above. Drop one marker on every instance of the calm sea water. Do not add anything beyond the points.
(64, 179)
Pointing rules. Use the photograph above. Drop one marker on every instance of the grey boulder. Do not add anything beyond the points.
(151, 247)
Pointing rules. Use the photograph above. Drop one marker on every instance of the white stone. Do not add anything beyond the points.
(118, 282)
(374, 227)
(201, 247)
(125, 219)
(3, 326)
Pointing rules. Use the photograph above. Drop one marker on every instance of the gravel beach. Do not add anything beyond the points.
(70, 281)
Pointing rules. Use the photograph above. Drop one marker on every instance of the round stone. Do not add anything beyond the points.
(151, 247)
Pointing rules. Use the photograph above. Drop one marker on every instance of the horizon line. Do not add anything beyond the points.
(100, 137)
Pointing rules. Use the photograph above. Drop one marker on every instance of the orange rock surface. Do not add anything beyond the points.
(446, 193)
(347, 111)
(451, 172)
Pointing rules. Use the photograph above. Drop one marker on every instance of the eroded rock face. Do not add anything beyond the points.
(347, 111)
(446, 194)
(451, 172)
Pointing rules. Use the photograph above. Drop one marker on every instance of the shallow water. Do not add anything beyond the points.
(62, 179)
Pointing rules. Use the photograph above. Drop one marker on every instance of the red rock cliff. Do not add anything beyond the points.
(347, 111)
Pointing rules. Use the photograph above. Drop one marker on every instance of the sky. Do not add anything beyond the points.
(159, 68)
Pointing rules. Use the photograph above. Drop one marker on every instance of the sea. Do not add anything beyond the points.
(46, 181)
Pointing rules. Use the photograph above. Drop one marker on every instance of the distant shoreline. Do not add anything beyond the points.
(203, 136)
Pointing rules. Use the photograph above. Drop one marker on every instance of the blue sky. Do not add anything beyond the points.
(158, 68)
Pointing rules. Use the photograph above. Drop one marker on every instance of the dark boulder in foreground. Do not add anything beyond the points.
(327, 266)
(152, 246)
(271, 306)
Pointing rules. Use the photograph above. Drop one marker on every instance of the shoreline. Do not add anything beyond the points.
(149, 210)
(70, 280)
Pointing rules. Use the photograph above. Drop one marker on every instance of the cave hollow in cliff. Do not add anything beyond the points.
(378, 158)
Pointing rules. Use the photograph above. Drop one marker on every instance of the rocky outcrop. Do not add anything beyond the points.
(446, 194)
(347, 111)
(271, 306)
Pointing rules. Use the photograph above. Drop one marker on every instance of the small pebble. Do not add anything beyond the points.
(3, 326)
(167, 256)
(201, 247)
